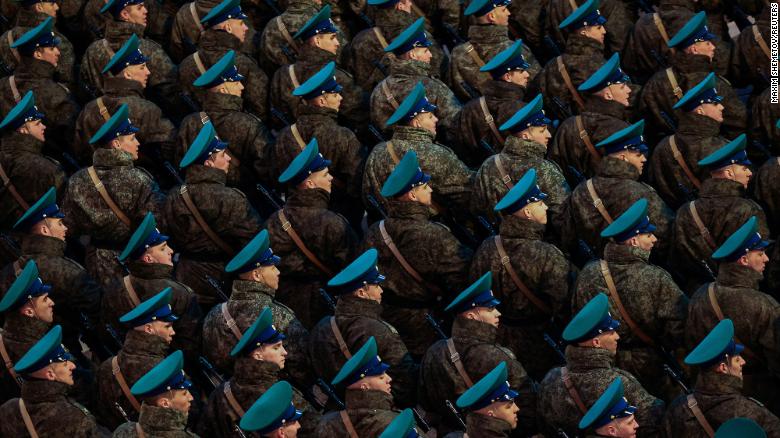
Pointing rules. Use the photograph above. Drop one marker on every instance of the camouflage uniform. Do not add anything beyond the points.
(755, 315)
(148, 279)
(86, 213)
(483, 426)
(620, 20)
(275, 49)
(450, 178)
(617, 186)
(247, 300)
(749, 63)
(187, 34)
(591, 370)
(370, 411)
(526, 23)
(251, 379)
(517, 157)
(357, 320)
(601, 119)
(211, 48)
(550, 277)
(649, 296)
(157, 422)
(503, 99)
(763, 121)
(720, 397)
(696, 137)
(766, 193)
(20, 333)
(140, 353)
(438, 257)
(475, 342)
(723, 208)
(93, 22)
(31, 173)
(658, 97)
(326, 234)
(51, 411)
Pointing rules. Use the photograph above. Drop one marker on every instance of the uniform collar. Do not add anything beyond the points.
(479, 425)
(698, 126)
(117, 86)
(712, 383)
(488, 34)
(143, 344)
(34, 245)
(580, 45)
(517, 147)
(473, 332)
(513, 227)
(117, 32)
(351, 305)
(200, 174)
(150, 271)
(730, 274)
(412, 134)
(317, 113)
(598, 105)
(244, 290)
(370, 399)
(31, 68)
(44, 391)
(314, 56)
(409, 67)
(251, 372)
(308, 198)
(24, 328)
(408, 210)
(686, 63)
(721, 188)
(212, 40)
(156, 421)
(611, 167)
(582, 359)
(502, 91)
(104, 157)
(16, 142)
(624, 254)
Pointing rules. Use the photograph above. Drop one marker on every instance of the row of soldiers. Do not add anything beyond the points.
(293, 157)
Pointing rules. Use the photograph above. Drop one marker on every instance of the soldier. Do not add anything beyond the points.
(619, 22)
(127, 75)
(735, 295)
(107, 198)
(165, 401)
(357, 317)
(146, 345)
(274, 414)
(128, 17)
(750, 58)
(763, 126)
(691, 62)
(44, 408)
(313, 241)
(208, 220)
(253, 290)
(416, 128)
(188, 30)
(525, 148)
(246, 136)
(611, 415)
(566, 392)
(277, 46)
(39, 56)
(451, 366)
(259, 356)
(655, 308)
(369, 405)
(533, 294)
(424, 261)
(595, 202)
(225, 30)
(149, 263)
(765, 193)
(607, 97)
(718, 390)
(492, 411)
(487, 36)
(582, 56)
(502, 96)
(22, 162)
(704, 224)
(673, 169)
(318, 118)
(28, 313)
(412, 64)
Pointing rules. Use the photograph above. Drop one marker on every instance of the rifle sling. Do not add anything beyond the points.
(339, 338)
(661, 29)
(14, 88)
(613, 293)
(392, 152)
(507, 264)
(128, 283)
(102, 109)
(380, 37)
(286, 34)
(705, 233)
(388, 95)
(14, 52)
(673, 82)
(195, 18)
(719, 313)
(288, 228)
(761, 42)
(405, 264)
(106, 197)
(231, 399)
(585, 137)
(297, 136)
(681, 162)
(348, 424)
(573, 393)
(229, 321)
(120, 379)
(198, 63)
(693, 405)
(455, 360)
(185, 194)
(27, 420)
(12, 189)
(9, 364)
(597, 202)
(489, 120)
(472, 52)
(293, 76)
(505, 178)
(569, 85)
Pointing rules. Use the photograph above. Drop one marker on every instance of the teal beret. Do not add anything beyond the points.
(23, 112)
(46, 207)
(610, 406)
(272, 410)
(26, 287)
(156, 308)
(261, 332)
(740, 427)
(255, 254)
(592, 320)
(364, 363)
(47, 350)
(491, 388)
(476, 295)
(144, 237)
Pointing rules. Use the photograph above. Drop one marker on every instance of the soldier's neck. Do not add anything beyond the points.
(470, 329)
(488, 34)
(599, 105)
(369, 399)
(696, 125)
(520, 228)
(38, 244)
(611, 167)
(732, 274)
(711, 382)
(18, 142)
(149, 271)
(308, 198)
(349, 304)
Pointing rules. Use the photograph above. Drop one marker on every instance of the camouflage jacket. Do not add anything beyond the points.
(763, 121)
(246, 135)
(601, 119)
(51, 411)
(475, 342)
(438, 257)
(616, 185)
(503, 99)
(157, 422)
(719, 396)
(450, 178)
(591, 370)
(187, 34)
(26, 19)
(550, 277)
(358, 319)
(211, 48)
(722, 208)
(620, 20)
(517, 157)
(649, 296)
(696, 137)
(31, 173)
(482, 426)
(275, 48)
(658, 97)
(19, 333)
(156, 132)
(326, 234)
(225, 210)
(404, 75)
(764, 191)
(148, 279)
(526, 23)
(140, 353)
(312, 59)
(247, 300)
(370, 411)
(93, 23)
(749, 63)
(251, 379)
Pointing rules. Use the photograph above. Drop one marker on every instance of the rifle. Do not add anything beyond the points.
(328, 299)
(662, 63)
(68, 158)
(455, 412)
(645, 7)
(375, 132)
(707, 268)
(272, 4)
(114, 335)
(553, 48)
(436, 327)
(275, 203)
(121, 411)
(172, 170)
(739, 15)
(554, 345)
(89, 336)
(685, 192)
(211, 374)
(577, 174)
(288, 53)
(673, 369)
(486, 146)
(215, 284)
(761, 147)
(187, 99)
(586, 250)
(421, 421)
(677, 377)
(473, 94)
(280, 116)
(380, 67)
(563, 111)
(486, 225)
(375, 205)
(328, 390)
(561, 433)
(453, 34)
(669, 121)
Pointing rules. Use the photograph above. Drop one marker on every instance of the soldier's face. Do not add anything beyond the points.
(161, 253)
(422, 194)
(499, 16)
(426, 121)
(48, 8)
(620, 93)
(422, 54)
(321, 179)
(179, 399)
(237, 28)
(135, 14)
(755, 260)
(488, 315)
(54, 227)
(233, 88)
(704, 48)
(330, 100)
(404, 6)
(538, 134)
(328, 42)
(732, 366)
(372, 292)
(381, 382)
(161, 329)
(645, 241)
(594, 32)
(711, 110)
(42, 308)
(607, 340)
(48, 54)
(268, 275)
(219, 160)
(63, 372)
(504, 410)
(34, 128)
(127, 143)
(519, 77)
(741, 174)
(289, 430)
(535, 211)
(139, 73)
(271, 353)
(635, 158)
(621, 428)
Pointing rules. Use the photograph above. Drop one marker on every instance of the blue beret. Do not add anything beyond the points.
(46, 207)
(405, 176)
(732, 152)
(742, 241)
(227, 10)
(523, 193)
(204, 145)
(609, 407)
(272, 410)
(255, 254)
(167, 375)
(531, 114)
(310, 160)
(222, 71)
(116, 6)
(145, 236)
(714, 348)
(26, 287)
(362, 271)
(324, 81)
(608, 74)
(492, 388)
(402, 426)
(414, 104)
(128, 55)
(39, 36)
(411, 37)
(476, 295)
(318, 24)
(506, 60)
(587, 14)
(630, 138)
(693, 31)
(46, 351)
(703, 92)
(592, 320)
(740, 427)
(364, 363)
(479, 8)
(261, 332)
(156, 308)
(633, 222)
(23, 112)
(117, 126)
